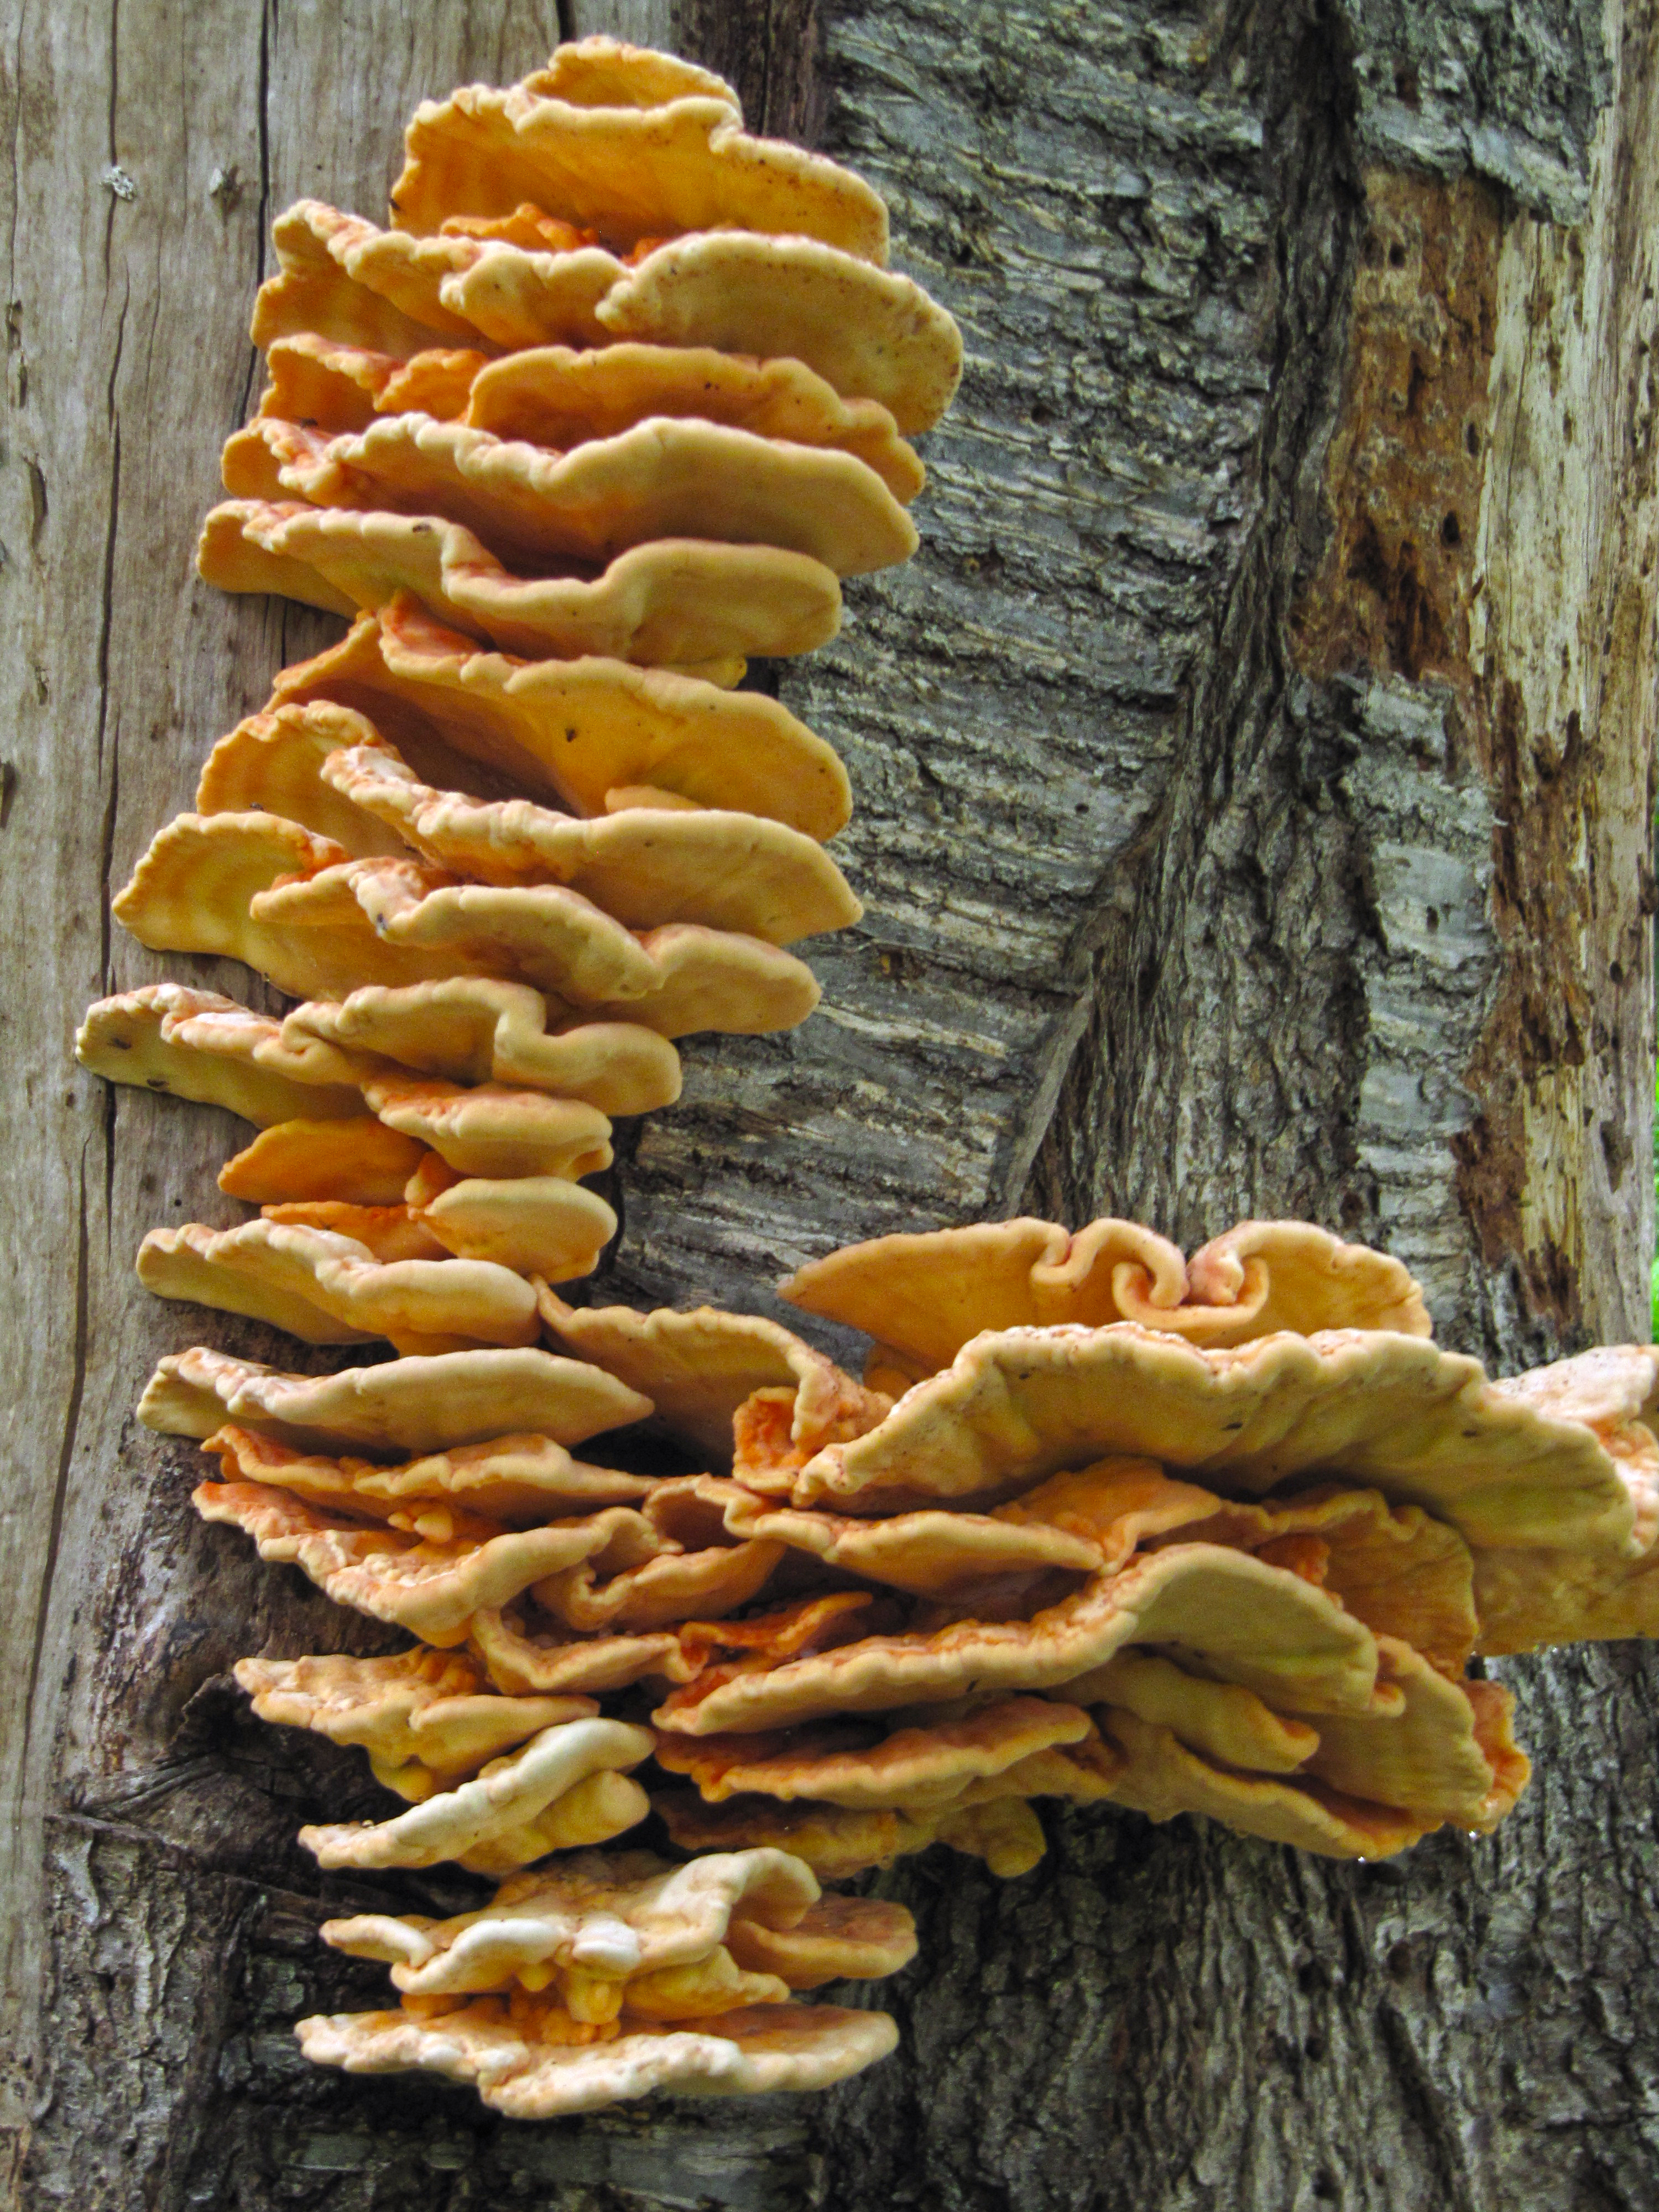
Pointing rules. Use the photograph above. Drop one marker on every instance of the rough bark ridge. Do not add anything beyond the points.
(1233, 837)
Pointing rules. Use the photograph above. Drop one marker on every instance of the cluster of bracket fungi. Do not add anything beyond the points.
(612, 406)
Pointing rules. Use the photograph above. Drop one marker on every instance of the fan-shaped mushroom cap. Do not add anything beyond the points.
(1606, 1389)
(540, 512)
(330, 1290)
(196, 1045)
(868, 333)
(914, 1769)
(491, 1130)
(929, 1553)
(511, 1479)
(565, 1780)
(1529, 1597)
(356, 1158)
(1162, 1777)
(859, 1939)
(556, 396)
(315, 287)
(422, 1404)
(647, 866)
(1398, 1569)
(1395, 1567)
(759, 2048)
(675, 602)
(273, 762)
(562, 396)
(837, 1840)
(627, 173)
(386, 1232)
(660, 1591)
(430, 1574)
(1222, 1720)
(600, 71)
(1447, 1754)
(675, 980)
(1436, 1750)
(706, 1363)
(193, 892)
(189, 892)
(574, 732)
(690, 1569)
(424, 1717)
(923, 1297)
(191, 1263)
(613, 1917)
(518, 1662)
(541, 1225)
(480, 1030)
(1247, 1621)
(520, 1657)
(344, 279)
(1422, 1425)
(343, 387)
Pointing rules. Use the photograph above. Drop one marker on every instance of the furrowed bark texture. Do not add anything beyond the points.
(1253, 777)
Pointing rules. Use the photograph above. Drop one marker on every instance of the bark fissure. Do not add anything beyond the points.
(71, 1429)
(1168, 992)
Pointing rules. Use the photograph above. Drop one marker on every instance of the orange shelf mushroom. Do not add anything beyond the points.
(616, 401)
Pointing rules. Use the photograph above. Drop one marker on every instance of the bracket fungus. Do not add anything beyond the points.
(538, 511)
(592, 1979)
(477, 1030)
(566, 1788)
(273, 762)
(426, 1718)
(704, 1367)
(524, 2062)
(200, 1046)
(336, 387)
(646, 866)
(591, 1918)
(870, 333)
(556, 396)
(519, 1481)
(328, 1289)
(472, 1031)
(612, 406)
(426, 1403)
(921, 1298)
(626, 172)
(581, 734)
(700, 607)
(356, 1158)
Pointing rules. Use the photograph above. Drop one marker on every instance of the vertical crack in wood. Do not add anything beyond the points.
(770, 51)
(1225, 974)
(71, 1429)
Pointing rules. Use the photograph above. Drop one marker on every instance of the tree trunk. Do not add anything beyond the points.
(1254, 776)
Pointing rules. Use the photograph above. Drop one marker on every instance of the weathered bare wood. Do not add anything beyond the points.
(641, 22)
(150, 150)
(1208, 869)
(771, 50)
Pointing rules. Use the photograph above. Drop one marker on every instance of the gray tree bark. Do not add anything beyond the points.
(1253, 775)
